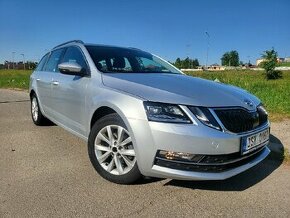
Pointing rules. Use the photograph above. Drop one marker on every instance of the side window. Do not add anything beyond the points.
(73, 54)
(53, 60)
(41, 63)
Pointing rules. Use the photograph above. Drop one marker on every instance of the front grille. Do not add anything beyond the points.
(210, 163)
(239, 120)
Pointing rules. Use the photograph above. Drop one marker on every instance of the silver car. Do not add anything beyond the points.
(142, 116)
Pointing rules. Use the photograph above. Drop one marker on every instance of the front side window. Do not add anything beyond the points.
(74, 55)
(53, 61)
(41, 63)
(124, 60)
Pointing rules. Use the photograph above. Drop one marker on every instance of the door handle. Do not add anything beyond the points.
(55, 83)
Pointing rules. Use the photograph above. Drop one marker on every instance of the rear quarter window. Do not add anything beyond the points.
(41, 63)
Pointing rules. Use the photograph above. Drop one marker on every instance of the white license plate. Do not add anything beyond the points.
(255, 141)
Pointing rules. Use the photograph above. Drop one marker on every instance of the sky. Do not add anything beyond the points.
(167, 28)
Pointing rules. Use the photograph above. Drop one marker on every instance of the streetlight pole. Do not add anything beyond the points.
(188, 54)
(207, 49)
(23, 60)
(13, 54)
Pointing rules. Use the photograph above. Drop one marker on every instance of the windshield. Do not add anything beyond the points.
(126, 60)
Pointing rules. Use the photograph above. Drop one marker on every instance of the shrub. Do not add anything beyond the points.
(269, 64)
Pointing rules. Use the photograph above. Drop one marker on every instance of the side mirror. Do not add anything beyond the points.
(71, 68)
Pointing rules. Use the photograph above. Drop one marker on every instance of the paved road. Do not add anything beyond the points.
(45, 171)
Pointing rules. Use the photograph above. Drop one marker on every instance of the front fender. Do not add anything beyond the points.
(127, 107)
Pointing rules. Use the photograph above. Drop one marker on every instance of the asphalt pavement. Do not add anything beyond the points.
(45, 171)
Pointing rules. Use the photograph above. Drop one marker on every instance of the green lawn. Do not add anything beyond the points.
(284, 64)
(275, 94)
(14, 78)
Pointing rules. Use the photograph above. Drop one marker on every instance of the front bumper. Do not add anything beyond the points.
(150, 137)
(191, 175)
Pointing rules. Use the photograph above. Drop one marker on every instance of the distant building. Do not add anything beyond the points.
(259, 61)
(19, 65)
(279, 60)
(287, 59)
(213, 67)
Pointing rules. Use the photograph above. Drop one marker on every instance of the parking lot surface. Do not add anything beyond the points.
(45, 171)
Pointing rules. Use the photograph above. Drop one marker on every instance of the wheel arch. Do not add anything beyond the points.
(104, 110)
(31, 93)
(101, 112)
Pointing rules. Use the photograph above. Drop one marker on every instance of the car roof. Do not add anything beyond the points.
(73, 42)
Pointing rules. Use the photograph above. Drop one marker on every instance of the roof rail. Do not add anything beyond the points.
(78, 41)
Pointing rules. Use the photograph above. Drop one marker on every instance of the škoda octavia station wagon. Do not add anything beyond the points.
(142, 116)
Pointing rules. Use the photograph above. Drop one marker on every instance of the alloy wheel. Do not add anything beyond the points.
(114, 150)
(34, 109)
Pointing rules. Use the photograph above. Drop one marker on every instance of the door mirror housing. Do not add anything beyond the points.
(71, 68)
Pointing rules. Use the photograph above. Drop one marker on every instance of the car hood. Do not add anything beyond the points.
(179, 89)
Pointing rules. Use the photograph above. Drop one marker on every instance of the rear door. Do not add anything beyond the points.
(69, 93)
(40, 77)
(45, 80)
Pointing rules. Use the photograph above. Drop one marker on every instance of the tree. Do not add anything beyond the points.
(187, 63)
(195, 63)
(177, 63)
(31, 65)
(269, 64)
(230, 58)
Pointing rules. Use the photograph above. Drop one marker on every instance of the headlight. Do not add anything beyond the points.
(161, 112)
(205, 116)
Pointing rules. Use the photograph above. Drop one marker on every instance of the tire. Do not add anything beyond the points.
(111, 150)
(36, 115)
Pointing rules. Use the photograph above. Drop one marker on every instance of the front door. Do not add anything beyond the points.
(69, 93)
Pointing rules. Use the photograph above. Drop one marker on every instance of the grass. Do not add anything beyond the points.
(17, 79)
(275, 94)
(284, 64)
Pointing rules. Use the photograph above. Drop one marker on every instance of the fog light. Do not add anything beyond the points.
(171, 155)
